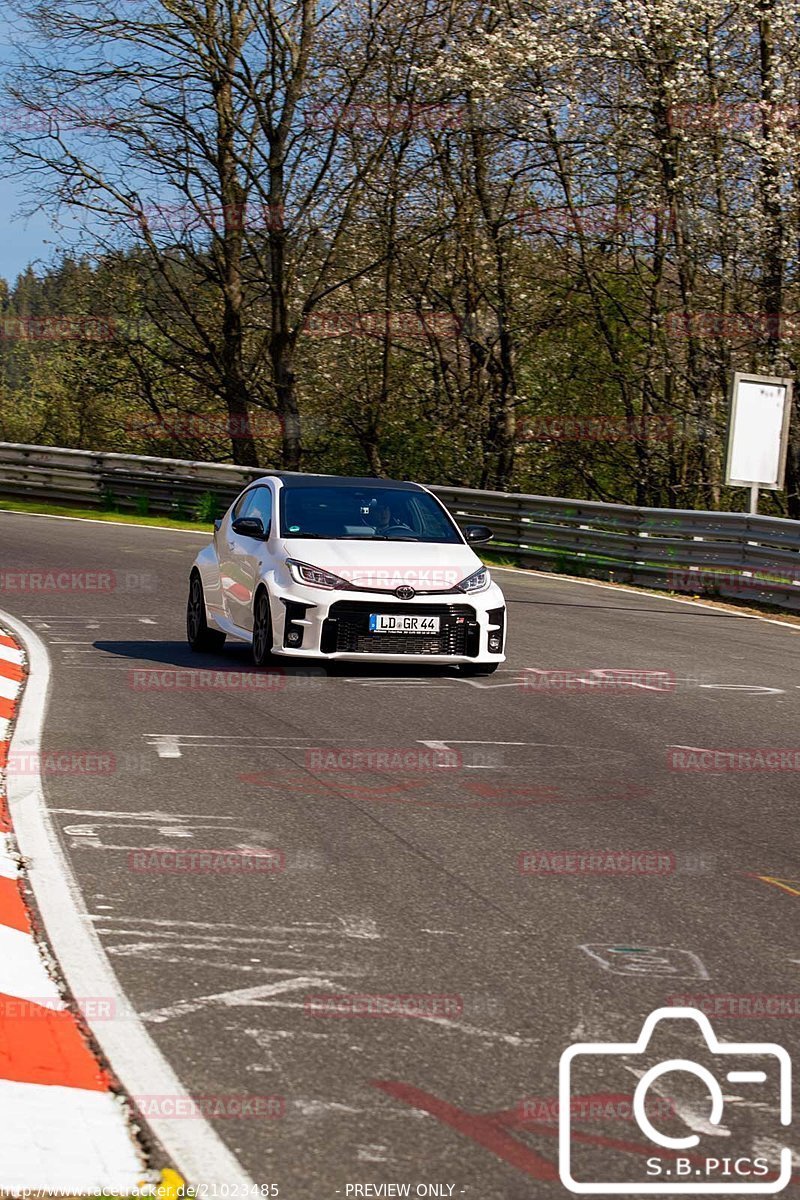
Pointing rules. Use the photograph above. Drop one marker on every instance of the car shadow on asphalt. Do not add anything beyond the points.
(236, 657)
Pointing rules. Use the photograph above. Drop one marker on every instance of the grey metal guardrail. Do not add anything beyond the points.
(730, 554)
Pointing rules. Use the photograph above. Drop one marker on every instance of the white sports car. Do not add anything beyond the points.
(317, 566)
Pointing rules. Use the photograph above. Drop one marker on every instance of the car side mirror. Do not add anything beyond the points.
(252, 527)
(478, 533)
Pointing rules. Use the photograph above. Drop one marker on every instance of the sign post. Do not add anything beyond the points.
(758, 433)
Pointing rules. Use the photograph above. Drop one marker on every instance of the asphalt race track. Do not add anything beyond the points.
(410, 882)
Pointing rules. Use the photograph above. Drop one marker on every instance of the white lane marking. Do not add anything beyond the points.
(510, 1039)
(633, 960)
(209, 940)
(158, 817)
(145, 621)
(363, 928)
(373, 1152)
(11, 654)
(192, 1144)
(241, 997)
(22, 970)
(600, 676)
(406, 684)
(446, 744)
(752, 688)
(5, 725)
(298, 927)
(64, 1141)
(167, 746)
(172, 745)
(315, 1108)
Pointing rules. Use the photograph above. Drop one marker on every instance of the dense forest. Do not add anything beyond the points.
(521, 248)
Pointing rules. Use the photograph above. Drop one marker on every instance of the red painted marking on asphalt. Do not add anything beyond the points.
(12, 670)
(3, 754)
(12, 907)
(39, 1045)
(7, 708)
(484, 1130)
(488, 1130)
(7, 641)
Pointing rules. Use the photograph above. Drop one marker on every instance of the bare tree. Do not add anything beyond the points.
(208, 135)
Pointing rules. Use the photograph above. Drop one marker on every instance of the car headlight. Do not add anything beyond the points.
(315, 576)
(477, 582)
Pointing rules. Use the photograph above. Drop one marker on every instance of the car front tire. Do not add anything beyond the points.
(200, 637)
(262, 630)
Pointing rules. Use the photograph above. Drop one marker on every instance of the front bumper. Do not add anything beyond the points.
(312, 623)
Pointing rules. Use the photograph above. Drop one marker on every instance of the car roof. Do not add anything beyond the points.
(294, 480)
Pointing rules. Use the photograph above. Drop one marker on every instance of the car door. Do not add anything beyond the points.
(243, 556)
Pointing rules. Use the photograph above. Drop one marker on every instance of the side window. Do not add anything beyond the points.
(261, 506)
(242, 506)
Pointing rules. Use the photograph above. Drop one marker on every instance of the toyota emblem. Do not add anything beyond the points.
(405, 593)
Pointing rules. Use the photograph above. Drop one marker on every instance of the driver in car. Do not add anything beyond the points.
(383, 520)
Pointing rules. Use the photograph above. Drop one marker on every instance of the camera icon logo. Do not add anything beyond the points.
(672, 1172)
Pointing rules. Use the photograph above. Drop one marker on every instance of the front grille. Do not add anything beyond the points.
(346, 630)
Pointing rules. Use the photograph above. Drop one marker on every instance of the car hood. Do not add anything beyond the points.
(425, 566)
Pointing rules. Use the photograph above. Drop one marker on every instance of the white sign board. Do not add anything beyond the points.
(758, 432)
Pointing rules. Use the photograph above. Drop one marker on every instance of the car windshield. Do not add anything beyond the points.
(364, 514)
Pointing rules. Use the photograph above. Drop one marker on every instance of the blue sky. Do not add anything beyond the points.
(24, 240)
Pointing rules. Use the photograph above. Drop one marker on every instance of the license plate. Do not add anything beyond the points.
(402, 623)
